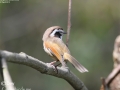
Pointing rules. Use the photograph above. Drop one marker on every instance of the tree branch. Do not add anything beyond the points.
(44, 68)
(113, 80)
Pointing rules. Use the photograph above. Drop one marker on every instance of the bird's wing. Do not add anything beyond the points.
(61, 45)
(54, 49)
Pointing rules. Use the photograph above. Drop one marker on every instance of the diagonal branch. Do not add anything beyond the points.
(44, 68)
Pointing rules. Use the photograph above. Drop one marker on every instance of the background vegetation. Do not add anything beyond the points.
(95, 25)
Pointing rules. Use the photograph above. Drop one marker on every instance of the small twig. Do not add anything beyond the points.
(69, 22)
(8, 84)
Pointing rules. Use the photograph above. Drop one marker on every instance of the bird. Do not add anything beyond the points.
(55, 47)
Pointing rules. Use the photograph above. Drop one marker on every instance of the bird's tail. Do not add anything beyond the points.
(75, 63)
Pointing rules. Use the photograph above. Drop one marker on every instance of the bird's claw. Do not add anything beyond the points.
(54, 67)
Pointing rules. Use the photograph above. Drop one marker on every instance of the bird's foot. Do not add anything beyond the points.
(54, 67)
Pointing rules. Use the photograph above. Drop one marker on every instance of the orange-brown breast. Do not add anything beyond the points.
(56, 47)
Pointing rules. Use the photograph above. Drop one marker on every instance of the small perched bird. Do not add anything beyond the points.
(55, 47)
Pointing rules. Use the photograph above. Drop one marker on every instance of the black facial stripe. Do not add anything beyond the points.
(58, 34)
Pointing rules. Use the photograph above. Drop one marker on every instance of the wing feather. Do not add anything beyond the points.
(54, 49)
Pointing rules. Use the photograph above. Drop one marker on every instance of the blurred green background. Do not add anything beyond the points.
(95, 25)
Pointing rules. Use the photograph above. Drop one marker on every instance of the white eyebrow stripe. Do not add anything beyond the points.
(53, 33)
